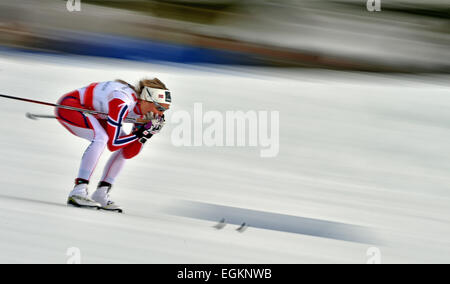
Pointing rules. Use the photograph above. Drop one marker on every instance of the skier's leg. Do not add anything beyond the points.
(79, 196)
(87, 127)
(93, 152)
(99, 139)
(113, 167)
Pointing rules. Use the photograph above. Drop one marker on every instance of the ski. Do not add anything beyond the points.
(112, 210)
(73, 203)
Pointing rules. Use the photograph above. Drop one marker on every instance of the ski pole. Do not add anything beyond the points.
(35, 116)
(131, 120)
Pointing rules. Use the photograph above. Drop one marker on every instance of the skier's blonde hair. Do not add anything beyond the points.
(152, 83)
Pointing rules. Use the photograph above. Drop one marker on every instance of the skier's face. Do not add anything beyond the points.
(147, 107)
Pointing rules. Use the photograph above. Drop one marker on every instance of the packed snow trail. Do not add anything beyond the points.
(361, 151)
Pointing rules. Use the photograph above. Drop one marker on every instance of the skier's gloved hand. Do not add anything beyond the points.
(150, 116)
(158, 121)
(147, 130)
(158, 124)
(143, 131)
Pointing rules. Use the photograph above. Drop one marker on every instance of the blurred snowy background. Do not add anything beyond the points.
(363, 99)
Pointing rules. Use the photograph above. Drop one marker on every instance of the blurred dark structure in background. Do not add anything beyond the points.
(405, 36)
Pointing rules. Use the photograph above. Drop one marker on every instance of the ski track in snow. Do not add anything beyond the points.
(366, 154)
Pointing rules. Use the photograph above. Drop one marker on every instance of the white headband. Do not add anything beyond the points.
(157, 95)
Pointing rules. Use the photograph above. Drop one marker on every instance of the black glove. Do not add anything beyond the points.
(143, 132)
(158, 122)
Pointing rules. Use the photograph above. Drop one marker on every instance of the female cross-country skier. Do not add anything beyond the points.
(146, 102)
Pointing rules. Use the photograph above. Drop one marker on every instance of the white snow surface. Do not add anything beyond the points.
(358, 149)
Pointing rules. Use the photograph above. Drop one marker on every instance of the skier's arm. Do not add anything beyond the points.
(144, 132)
(118, 110)
(132, 150)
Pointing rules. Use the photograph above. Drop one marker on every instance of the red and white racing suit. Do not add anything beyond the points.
(119, 101)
